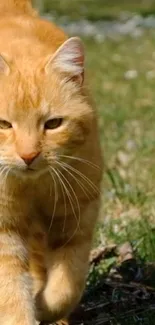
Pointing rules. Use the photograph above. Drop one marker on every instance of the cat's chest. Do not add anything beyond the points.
(53, 197)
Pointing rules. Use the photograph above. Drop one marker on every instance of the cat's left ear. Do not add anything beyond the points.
(69, 59)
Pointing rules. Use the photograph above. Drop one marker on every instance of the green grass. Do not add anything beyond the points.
(96, 9)
(126, 109)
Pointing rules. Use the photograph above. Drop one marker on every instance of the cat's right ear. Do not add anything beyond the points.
(69, 59)
(4, 67)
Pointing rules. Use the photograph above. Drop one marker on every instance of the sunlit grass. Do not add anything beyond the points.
(122, 78)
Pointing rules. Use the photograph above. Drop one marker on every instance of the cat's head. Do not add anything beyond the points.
(44, 114)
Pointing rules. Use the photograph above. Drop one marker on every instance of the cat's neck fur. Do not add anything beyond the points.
(17, 7)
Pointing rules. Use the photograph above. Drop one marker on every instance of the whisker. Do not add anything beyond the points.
(66, 190)
(70, 194)
(65, 205)
(77, 180)
(55, 200)
(81, 160)
(6, 176)
(2, 171)
(64, 197)
(87, 180)
(71, 203)
(76, 198)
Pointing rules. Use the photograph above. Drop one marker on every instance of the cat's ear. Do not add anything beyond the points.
(69, 59)
(4, 67)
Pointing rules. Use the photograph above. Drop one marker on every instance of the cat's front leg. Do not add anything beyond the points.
(66, 280)
(67, 270)
(16, 305)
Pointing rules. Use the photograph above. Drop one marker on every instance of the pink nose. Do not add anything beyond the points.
(29, 158)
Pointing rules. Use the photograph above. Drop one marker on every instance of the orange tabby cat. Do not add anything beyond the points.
(50, 168)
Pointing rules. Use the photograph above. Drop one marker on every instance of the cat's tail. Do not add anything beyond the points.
(16, 7)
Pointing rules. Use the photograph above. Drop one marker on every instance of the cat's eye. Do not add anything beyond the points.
(5, 125)
(53, 123)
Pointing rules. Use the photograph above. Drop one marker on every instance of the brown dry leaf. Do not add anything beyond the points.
(100, 252)
(125, 252)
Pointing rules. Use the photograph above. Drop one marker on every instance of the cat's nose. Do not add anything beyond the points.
(29, 158)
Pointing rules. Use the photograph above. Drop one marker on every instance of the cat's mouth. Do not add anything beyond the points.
(34, 171)
(31, 169)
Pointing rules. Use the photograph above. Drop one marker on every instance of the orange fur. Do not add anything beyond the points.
(50, 168)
